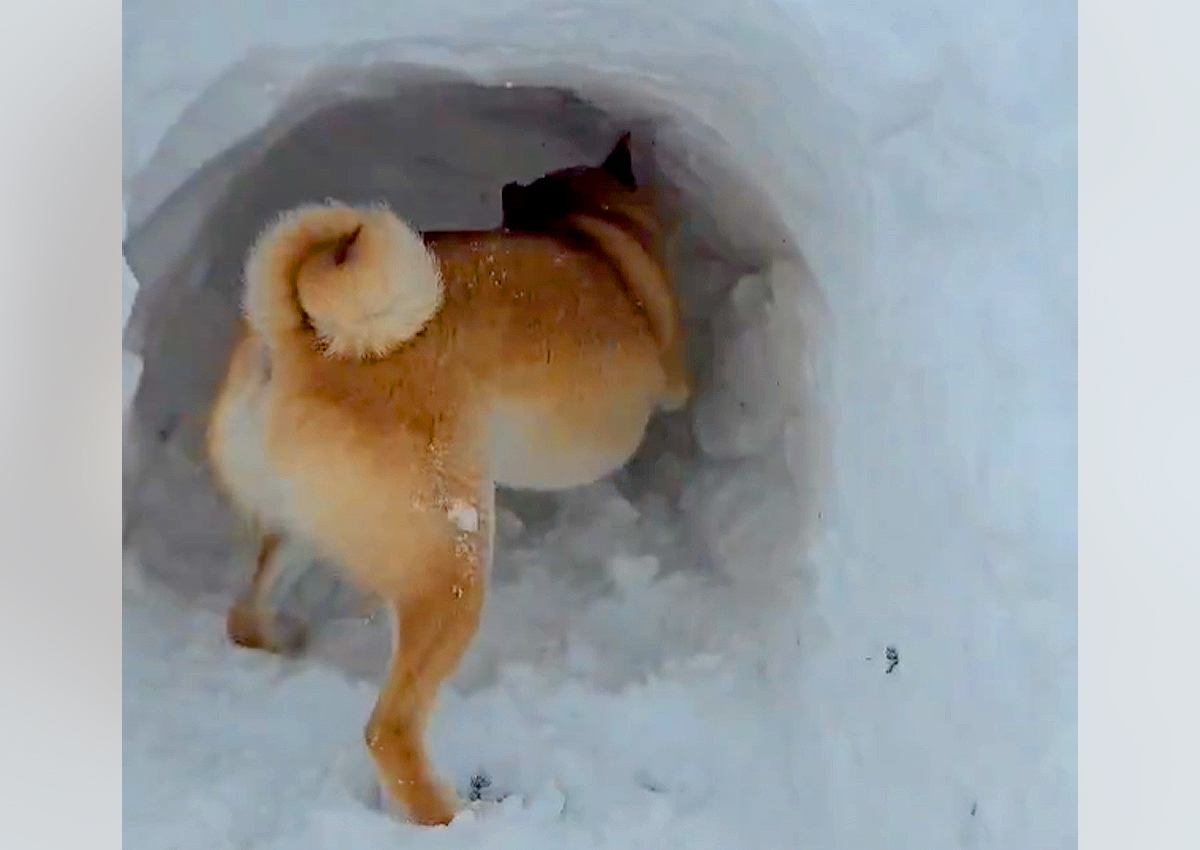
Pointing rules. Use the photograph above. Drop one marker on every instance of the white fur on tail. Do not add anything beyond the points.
(360, 276)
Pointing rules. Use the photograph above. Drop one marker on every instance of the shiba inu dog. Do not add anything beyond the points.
(386, 382)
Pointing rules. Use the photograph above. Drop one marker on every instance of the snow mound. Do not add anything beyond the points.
(831, 604)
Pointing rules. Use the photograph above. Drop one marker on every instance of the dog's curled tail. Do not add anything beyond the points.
(359, 278)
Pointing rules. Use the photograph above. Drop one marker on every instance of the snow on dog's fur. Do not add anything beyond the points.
(386, 382)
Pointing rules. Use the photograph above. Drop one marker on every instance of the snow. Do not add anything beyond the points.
(464, 516)
(878, 257)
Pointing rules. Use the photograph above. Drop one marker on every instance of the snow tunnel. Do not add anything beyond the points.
(830, 602)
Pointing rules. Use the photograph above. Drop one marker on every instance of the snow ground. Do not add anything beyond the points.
(832, 606)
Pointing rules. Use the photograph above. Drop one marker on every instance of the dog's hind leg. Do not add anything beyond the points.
(433, 627)
(253, 621)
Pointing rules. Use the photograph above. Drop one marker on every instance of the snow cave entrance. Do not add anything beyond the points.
(666, 560)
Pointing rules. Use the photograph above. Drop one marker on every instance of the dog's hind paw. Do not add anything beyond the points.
(279, 634)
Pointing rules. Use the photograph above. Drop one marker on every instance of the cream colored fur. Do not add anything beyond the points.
(363, 278)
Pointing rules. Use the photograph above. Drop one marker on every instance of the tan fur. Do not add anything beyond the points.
(647, 283)
(537, 369)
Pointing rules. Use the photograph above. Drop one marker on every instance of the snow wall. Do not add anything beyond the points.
(832, 605)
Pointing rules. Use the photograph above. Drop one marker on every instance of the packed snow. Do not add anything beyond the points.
(829, 605)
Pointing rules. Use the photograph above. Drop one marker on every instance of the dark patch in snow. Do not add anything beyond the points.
(168, 427)
(893, 658)
(480, 782)
(645, 780)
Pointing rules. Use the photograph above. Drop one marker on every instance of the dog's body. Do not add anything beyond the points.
(385, 384)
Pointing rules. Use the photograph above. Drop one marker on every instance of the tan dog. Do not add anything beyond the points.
(387, 382)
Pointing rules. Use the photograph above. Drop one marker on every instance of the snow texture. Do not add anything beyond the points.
(831, 605)
(464, 516)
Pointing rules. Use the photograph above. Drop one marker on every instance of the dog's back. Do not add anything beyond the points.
(541, 343)
(603, 208)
